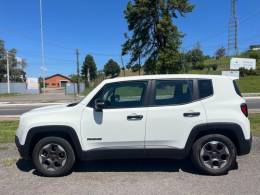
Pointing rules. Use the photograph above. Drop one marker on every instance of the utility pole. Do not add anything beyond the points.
(139, 65)
(8, 72)
(42, 48)
(78, 87)
(88, 75)
(232, 30)
(122, 61)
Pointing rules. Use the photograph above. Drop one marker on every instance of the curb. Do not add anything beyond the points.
(251, 94)
(9, 117)
(252, 98)
(254, 111)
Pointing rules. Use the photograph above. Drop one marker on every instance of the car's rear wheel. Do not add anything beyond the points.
(214, 154)
(53, 156)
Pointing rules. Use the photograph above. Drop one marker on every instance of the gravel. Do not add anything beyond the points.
(130, 177)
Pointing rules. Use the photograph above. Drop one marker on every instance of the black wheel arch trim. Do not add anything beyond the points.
(36, 133)
(231, 130)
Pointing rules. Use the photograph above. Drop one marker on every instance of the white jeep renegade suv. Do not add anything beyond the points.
(159, 116)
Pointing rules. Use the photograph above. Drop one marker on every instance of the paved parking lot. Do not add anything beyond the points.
(129, 177)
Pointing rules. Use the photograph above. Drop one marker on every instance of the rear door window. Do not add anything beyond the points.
(173, 92)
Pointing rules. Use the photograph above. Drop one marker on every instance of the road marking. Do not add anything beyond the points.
(32, 104)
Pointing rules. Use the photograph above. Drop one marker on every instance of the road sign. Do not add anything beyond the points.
(247, 63)
(234, 74)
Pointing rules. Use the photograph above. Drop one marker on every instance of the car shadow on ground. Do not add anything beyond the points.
(127, 165)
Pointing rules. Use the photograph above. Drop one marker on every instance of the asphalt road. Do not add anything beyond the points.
(148, 176)
(18, 110)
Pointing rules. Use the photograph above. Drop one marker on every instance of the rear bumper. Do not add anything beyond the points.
(23, 151)
(245, 146)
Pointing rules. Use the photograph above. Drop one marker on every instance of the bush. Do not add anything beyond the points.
(214, 67)
(245, 72)
(198, 66)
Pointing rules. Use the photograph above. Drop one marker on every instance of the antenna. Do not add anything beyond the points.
(232, 30)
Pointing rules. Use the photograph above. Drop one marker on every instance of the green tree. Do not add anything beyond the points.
(111, 68)
(251, 54)
(154, 37)
(2, 61)
(221, 52)
(195, 58)
(74, 78)
(89, 64)
(17, 73)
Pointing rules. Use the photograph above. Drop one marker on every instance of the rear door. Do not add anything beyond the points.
(174, 112)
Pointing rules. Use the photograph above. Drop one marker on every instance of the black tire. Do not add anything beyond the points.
(64, 155)
(208, 156)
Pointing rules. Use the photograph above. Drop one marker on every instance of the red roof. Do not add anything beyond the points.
(58, 75)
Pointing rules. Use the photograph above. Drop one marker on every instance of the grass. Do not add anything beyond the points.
(249, 84)
(9, 94)
(7, 128)
(9, 161)
(7, 131)
(255, 123)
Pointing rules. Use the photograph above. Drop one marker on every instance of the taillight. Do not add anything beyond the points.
(244, 109)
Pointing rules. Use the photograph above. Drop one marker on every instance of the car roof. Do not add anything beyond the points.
(167, 76)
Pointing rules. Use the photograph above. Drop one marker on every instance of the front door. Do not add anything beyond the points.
(121, 124)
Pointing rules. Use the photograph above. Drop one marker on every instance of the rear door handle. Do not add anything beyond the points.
(135, 117)
(191, 114)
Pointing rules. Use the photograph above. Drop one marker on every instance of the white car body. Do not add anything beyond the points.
(162, 127)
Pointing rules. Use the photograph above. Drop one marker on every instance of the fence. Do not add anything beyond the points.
(71, 88)
(17, 88)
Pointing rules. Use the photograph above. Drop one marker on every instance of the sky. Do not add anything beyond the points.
(97, 27)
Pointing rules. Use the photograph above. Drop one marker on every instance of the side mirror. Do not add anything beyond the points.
(99, 105)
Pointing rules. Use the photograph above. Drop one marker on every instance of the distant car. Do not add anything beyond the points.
(159, 116)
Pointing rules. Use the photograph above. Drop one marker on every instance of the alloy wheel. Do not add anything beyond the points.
(214, 155)
(52, 157)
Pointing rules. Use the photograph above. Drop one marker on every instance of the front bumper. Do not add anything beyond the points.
(23, 151)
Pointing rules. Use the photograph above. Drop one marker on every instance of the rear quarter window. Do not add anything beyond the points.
(205, 88)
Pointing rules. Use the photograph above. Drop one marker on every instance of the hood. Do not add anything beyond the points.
(45, 109)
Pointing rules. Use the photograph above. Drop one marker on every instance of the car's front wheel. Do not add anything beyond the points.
(214, 154)
(53, 156)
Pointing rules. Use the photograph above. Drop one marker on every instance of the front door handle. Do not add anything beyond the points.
(135, 117)
(191, 114)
